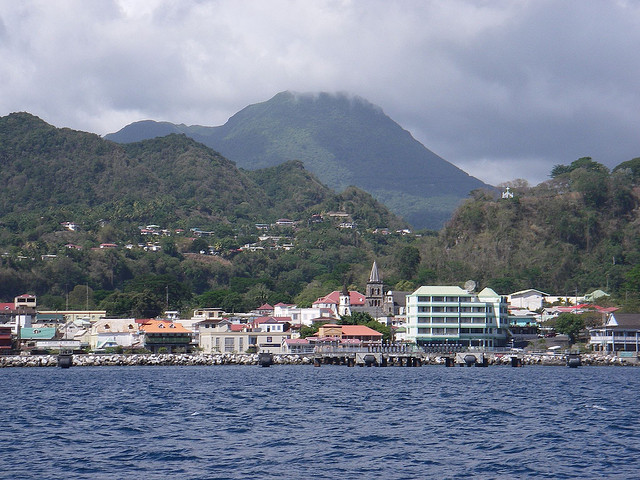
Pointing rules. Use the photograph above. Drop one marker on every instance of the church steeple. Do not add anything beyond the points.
(375, 293)
(344, 307)
(374, 277)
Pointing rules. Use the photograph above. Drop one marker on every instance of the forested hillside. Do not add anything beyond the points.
(343, 141)
(169, 223)
(197, 200)
(574, 233)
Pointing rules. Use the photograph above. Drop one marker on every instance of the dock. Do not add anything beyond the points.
(375, 356)
(404, 356)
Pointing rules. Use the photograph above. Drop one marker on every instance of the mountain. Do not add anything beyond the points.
(171, 180)
(52, 177)
(342, 140)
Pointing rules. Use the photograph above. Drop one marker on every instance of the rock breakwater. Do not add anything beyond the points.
(90, 360)
(111, 360)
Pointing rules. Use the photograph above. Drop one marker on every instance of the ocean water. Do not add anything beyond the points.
(333, 422)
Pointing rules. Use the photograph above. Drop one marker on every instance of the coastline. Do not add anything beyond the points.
(110, 360)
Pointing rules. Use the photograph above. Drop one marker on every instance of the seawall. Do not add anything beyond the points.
(91, 360)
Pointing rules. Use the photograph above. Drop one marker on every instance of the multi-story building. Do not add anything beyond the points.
(451, 315)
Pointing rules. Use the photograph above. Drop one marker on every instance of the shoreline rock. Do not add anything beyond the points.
(200, 359)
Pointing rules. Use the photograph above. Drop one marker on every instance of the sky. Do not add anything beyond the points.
(503, 89)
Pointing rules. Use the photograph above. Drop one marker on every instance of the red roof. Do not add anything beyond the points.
(355, 298)
(297, 341)
(266, 306)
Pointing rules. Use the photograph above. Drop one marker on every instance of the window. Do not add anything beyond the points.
(228, 344)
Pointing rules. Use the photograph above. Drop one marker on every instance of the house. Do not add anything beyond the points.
(20, 313)
(357, 301)
(530, 299)
(451, 315)
(620, 333)
(25, 301)
(170, 336)
(362, 334)
(284, 222)
(302, 316)
(265, 309)
(114, 332)
(271, 324)
(29, 337)
(236, 338)
(73, 315)
(71, 226)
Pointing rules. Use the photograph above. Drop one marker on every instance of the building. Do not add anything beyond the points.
(73, 315)
(356, 301)
(451, 315)
(530, 299)
(114, 332)
(234, 338)
(374, 291)
(160, 335)
(620, 333)
(6, 340)
(357, 334)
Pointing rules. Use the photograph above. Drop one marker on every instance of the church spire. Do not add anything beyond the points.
(374, 277)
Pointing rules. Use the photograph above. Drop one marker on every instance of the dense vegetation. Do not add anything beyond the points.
(54, 175)
(343, 141)
(576, 232)
(572, 234)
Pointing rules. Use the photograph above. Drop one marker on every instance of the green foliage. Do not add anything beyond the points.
(569, 324)
(407, 261)
(308, 330)
(343, 141)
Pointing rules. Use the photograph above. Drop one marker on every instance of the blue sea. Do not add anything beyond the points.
(332, 422)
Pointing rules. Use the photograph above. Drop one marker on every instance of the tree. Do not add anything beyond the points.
(407, 261)
(569, 324)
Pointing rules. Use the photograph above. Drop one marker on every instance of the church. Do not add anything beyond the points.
(375, 301)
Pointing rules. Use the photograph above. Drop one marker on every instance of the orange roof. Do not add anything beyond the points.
(359, 331)
(159, 326)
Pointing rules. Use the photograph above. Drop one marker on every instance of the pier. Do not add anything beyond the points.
(372, 356)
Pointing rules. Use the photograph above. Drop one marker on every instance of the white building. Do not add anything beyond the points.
(303, 316)
(449, 314)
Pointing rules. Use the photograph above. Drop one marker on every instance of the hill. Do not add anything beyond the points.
(343, 141)
(577, 232)
(193, 201)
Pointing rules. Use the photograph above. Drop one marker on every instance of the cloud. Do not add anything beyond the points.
(502, 89)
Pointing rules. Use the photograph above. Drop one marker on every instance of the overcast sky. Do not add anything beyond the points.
(502, 89)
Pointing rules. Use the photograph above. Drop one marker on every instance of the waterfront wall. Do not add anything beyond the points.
(90, 360)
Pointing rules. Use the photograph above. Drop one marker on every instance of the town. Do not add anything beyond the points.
(431, 318)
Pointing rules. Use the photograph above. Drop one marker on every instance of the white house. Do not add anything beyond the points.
(530, 299)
